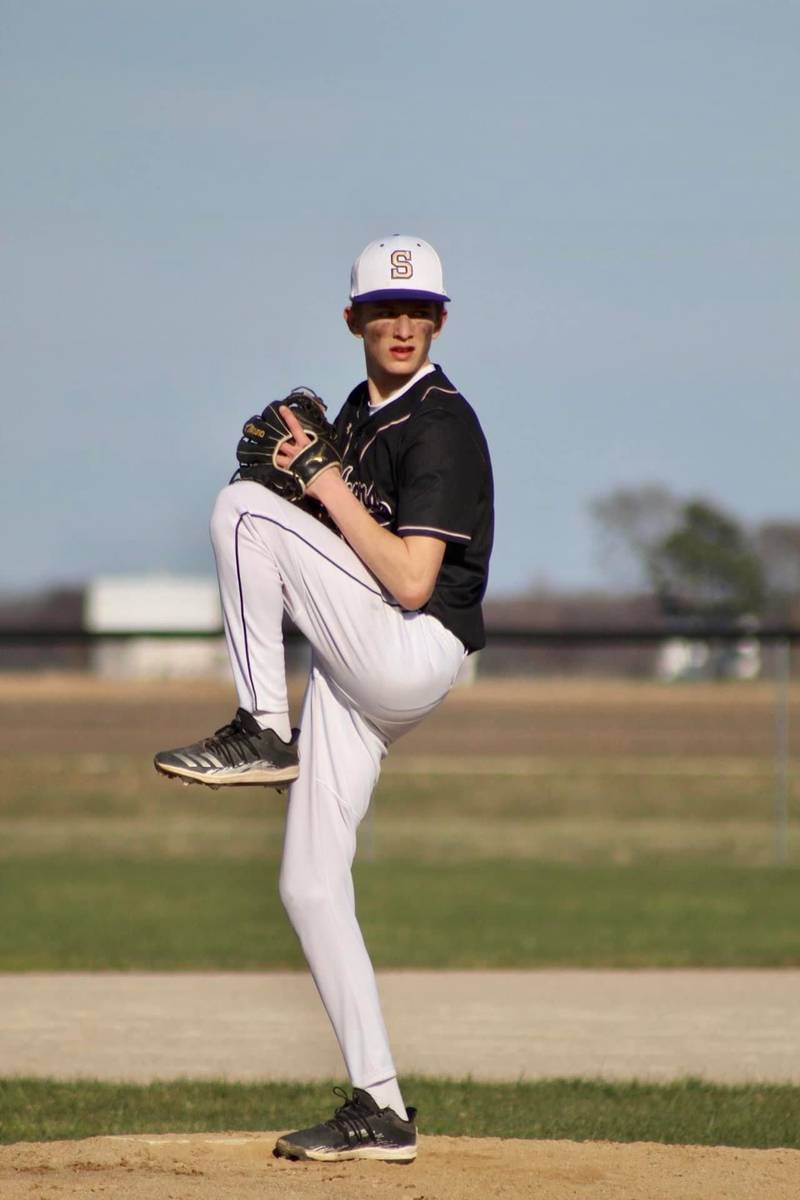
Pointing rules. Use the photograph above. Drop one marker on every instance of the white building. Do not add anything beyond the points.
(155, 604)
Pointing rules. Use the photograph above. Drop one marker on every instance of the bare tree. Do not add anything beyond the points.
(633, 522)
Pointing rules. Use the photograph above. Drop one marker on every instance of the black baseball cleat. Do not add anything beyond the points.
(239, 753)
(358, 1129)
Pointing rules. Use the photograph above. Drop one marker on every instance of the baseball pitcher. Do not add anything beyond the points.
(374, 534)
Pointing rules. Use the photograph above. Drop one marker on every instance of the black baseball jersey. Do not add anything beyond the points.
(420, 465)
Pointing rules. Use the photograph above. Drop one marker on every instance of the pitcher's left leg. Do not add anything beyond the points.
(341, 757)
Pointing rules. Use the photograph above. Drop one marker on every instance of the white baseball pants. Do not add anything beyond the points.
(377, 670)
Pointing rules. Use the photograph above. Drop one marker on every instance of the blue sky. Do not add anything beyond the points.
(613, 189)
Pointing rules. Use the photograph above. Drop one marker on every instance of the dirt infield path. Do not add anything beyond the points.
(240, 1166)
(721, 1025)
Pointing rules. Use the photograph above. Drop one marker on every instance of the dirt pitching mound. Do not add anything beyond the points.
(238, 1166)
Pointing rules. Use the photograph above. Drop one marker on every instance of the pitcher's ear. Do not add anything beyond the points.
(352, 319)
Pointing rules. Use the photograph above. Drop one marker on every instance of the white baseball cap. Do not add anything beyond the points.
(399, 267)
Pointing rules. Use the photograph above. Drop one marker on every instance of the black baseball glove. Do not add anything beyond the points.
(262, 436)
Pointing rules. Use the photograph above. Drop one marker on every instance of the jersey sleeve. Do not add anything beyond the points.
(439, 473)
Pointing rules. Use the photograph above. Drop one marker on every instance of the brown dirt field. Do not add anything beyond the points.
(580, 768)
(557, 718)
(238, 1166)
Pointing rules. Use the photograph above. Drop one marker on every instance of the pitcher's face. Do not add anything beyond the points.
(397, 335)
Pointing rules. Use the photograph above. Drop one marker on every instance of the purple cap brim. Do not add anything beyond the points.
(399, 294)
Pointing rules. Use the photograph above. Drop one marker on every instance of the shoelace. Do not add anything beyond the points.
(230, 742)
(354, 1128)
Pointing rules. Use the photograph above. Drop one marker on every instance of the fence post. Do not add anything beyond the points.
(781, 797)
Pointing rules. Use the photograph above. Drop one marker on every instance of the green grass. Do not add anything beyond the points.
(69, 913)
(685, 1112)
